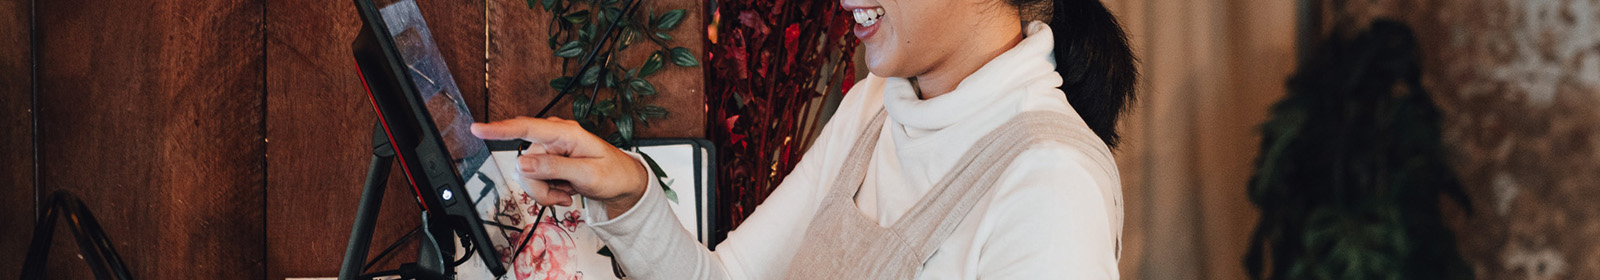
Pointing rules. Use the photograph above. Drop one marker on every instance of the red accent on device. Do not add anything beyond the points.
(386, 132)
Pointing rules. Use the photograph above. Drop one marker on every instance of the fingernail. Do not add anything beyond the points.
(526, 163)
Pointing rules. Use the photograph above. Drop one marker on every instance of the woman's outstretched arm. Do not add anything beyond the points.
(629, 212)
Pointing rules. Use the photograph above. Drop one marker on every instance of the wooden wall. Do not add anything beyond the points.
(16, 134)
(229, 139)
(150, 111)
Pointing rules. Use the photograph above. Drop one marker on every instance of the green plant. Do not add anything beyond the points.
(596, 31)
(1351, 172)
(589, 31)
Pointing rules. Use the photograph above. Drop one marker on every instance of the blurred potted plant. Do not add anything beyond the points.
(1350, 172)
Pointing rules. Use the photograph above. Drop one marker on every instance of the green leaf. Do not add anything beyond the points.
(660, 177)
(608, 15)
(577, 17)
(683, 57)
(604, 251)
(670, 19)
(628, 36)
(590, 76)
(548, 4)
(651, 64)
(654, 167)
(605, 107)
(642, 87)
(586, 32)
(611, 79)
(628, 96)
(664, 36)
(615, 140)
(609, 2)
(625, 127)
(653, 111)
(671, 195)
(569, 50)
(560, 84)
(580, 106)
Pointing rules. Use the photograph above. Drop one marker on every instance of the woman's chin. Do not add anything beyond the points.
(879, 67)
(886, 72)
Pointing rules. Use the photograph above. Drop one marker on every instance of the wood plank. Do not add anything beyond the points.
(151, 112)
(521, 66)
(16, 134)
(319, 125)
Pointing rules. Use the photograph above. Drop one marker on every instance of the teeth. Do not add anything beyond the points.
(868, 17)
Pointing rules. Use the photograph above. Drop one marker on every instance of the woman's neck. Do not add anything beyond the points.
(984, 47)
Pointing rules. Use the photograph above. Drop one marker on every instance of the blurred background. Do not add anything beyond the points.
(227, 139)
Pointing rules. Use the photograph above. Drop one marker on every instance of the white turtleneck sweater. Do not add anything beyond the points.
(1055, 214)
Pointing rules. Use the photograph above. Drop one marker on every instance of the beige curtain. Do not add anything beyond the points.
(1211, 69)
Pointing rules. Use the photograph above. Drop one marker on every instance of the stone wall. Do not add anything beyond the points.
(1519, 84)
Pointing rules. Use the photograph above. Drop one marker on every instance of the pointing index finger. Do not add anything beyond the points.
(517, 128)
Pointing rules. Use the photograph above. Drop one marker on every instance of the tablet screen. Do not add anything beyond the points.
(451, 116)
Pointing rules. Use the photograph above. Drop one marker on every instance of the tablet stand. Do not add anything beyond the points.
(430, 261)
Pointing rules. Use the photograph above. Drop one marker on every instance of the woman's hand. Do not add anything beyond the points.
(564, 159)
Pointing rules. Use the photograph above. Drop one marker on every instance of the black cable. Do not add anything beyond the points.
(472, 247)
(33, 108)
(588, 61)
(529, 236)
(392, 246)
(394, 272)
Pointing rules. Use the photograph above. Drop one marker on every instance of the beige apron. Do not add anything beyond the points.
(841, 243)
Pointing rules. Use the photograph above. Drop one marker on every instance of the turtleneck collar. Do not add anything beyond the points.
(1031, 63)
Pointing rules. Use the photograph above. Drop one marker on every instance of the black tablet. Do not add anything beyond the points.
(427, 122)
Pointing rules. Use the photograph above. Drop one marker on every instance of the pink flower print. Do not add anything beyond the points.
(508, 205)
(549, 254)
(572, 221)
(508, 213)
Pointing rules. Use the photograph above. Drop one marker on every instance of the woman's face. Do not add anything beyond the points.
(907, 38)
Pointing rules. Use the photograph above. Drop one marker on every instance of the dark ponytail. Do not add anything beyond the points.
(1093, 57)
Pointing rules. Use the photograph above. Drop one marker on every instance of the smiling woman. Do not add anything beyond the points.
(969, 152)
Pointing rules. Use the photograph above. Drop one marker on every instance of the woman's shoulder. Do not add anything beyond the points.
(1062, 157)
(1071, 164)
(1062, 184)
(1056, 137)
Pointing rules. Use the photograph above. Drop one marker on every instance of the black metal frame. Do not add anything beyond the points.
(430, 264)
(93, 245)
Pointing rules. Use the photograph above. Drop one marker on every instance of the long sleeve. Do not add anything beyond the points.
(650, 244)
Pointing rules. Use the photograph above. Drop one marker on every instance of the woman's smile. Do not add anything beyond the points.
(866, 18)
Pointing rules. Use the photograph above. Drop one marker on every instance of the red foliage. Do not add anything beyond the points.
(762, 122)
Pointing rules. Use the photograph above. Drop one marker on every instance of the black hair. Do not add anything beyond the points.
(1093, 57)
